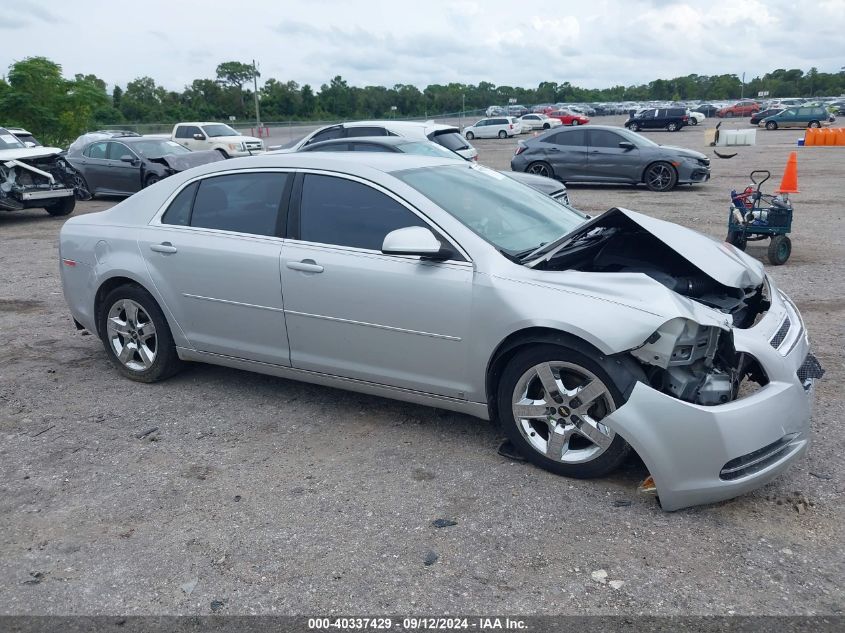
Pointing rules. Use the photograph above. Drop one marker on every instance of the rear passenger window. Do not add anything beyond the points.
(365, 131)
(246, 203)
(325, 135)
(576, 138)
(179, 211)
(348, 213)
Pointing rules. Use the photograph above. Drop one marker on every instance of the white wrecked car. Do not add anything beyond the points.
(36, 177)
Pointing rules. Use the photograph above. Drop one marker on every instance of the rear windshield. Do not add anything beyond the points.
(449, 140)
(8, 141)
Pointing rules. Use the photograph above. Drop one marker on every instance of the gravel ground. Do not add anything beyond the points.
(281, 497)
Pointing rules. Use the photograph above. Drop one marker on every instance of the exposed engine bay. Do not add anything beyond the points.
(684, 359)
(38, 181)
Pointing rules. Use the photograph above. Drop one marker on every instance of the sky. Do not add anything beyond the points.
(589, 43)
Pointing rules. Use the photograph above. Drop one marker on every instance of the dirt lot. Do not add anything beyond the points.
(280, 497)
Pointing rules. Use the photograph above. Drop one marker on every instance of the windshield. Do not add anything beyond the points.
(513, 217)
(157, 149)
(220, 129)
(424, 148)
(8, 141)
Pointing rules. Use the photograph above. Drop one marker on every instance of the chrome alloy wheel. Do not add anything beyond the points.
(558, 408)
(659, 176)
(132, 335)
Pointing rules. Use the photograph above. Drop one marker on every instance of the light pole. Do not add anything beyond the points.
(463, 107)
(742, 88)
(255, 94)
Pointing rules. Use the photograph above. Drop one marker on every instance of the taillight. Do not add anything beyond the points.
(510, 127)
(475, 158)
(686, 118)
(519, 150)
(69, 262)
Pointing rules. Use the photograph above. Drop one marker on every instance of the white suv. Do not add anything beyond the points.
(494, 127)
(446, 135)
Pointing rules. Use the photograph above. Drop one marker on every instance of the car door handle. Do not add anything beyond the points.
(306, 266)
(554, 149)
(164, 247)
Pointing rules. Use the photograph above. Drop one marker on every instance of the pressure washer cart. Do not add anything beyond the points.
(755, 215)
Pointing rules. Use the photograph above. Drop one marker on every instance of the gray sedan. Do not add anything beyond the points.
(602, 153)
(445, 283)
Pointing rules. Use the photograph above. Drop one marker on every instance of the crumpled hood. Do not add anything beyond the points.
(719, 260)
(181, 162)
(28, 153)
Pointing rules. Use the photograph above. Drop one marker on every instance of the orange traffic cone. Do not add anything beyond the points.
(789, 182)
(840, 136)
(810, 137)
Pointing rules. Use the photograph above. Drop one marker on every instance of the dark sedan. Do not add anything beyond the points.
(759, 116)
(126, 164)
(609, 154)
(398, 144)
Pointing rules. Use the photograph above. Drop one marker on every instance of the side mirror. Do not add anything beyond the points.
(199, 137)
(626, 145)
(126, 158)
(417, 241)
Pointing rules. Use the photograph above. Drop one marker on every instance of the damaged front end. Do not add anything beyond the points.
(37, 177)
(694, 360)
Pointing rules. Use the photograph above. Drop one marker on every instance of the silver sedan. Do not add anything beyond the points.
(444, 283)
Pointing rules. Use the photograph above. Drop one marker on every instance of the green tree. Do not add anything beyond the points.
(235, 75)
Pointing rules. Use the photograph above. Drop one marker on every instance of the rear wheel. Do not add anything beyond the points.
(814, 124)
(470, 136)
(673, 127)
(136, 335)
(541, 169)
(64, 206)
(661, 177)
(780, 248)
(729, 115)
(503, 134)
(771, 125)
(693, 121)
(551, 401)
(738, 239)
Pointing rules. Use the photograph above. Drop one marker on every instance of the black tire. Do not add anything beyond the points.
(223, 153)
(151, 180)
(540, 168)
(546, 126)
(64, 206)
(470, 136)
(166, 361)
(660, 176)
(502, 134)
(771, 125)
(673, 127)
(575, 122)
(814, 124)
(693, 121)
(738, 239)
(634, 127)
(729, 115)
(521, 363)
(780, 248)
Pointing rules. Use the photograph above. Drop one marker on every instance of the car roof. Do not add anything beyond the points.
(398, 125)
(18, 130)
(201, 123)
(381, 140)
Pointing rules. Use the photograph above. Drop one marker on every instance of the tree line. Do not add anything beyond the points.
(35, 95)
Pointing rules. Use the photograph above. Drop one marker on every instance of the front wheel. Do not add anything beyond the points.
(661, 177)
(151, 180)
(502, 134)
(546, 126)
(470, 136)
(634, 127)
(64, 206)
(551, 402)
(780, 248)
(540, 169)
(136, 335)
(575, 122)
(771, 125)
(729, 115)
